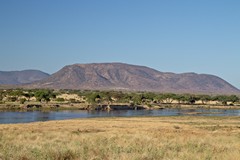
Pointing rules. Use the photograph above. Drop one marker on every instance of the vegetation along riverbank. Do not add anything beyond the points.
(109, 100)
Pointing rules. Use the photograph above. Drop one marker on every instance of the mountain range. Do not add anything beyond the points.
(120, 76)
(21, 77)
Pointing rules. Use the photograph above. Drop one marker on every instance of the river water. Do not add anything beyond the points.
(34, 116)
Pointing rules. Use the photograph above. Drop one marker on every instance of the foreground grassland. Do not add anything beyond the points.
(124, 138)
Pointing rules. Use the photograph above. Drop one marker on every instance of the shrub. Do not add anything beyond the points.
(44, 95)
(23, 100)
(72, 100)
(12, 99)
(60, 99)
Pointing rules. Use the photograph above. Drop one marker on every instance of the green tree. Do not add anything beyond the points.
(205, 98)
(169, 97)
(137, 99)
(233, 98)
(149, 96)
(221, 98)
(159, 98)
(93, 98)
(105, 96)
(180, 98)
(44, 95)
(191, 99)
(23, 100)
(16, 93)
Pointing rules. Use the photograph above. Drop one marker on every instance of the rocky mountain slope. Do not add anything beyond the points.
(103, 76)
(21, 77)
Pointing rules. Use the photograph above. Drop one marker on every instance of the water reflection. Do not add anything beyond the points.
(33, 116)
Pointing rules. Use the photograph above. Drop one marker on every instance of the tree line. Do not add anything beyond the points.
(95, 97)
(152, 97)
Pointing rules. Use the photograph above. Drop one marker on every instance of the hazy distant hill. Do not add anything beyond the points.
(132, 77)
(21, 77)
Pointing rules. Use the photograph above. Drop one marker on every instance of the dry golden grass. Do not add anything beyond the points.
(124, 138)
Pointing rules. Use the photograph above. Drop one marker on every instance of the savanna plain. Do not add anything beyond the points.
(146, 138)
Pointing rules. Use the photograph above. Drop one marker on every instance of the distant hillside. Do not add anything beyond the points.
(120, 76)
(21, 77)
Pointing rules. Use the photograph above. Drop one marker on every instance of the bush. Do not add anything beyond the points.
(72, 100)
(60, 99)
(12, 99)
(23, 100)
(44, 95)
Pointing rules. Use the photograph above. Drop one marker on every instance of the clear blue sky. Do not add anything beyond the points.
(201, 36)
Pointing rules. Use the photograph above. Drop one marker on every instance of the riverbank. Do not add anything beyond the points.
(123, 138)
(106, 107)
(46, 99)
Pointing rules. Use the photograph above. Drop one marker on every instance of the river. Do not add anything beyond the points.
(34, 116)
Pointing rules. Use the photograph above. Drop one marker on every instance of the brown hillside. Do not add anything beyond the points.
(21, 77)
(131, 77)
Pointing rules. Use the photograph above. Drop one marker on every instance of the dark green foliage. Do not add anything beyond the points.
(22, 100)
(224, 99)
(106, 97)
(180, 98)
(169, 97)
(233, 98)
(44, 95)
(205, 98)
(149, 95)
(16, 93)
(159, 98)
(93, 97)
(137, 99)
(28, 95)
(1, 96)
(191, 99)
(60, 99)
(221, 98)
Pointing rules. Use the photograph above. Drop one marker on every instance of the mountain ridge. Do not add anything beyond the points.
(21, 77)
(121, 76)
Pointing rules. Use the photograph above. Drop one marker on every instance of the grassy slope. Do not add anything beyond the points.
(124, 138)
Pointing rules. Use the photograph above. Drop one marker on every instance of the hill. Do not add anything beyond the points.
(119, 76)
(21, 77)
